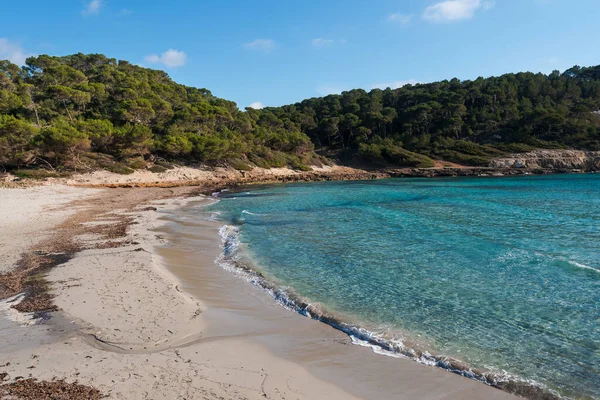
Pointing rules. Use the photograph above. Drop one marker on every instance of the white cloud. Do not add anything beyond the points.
(399, 18)
(265, 45)
(93, 7)
(257, 105)
(124, 12)
(320, 42)
(455, 10)
(170, 58)
(393, 84)
(12, 52)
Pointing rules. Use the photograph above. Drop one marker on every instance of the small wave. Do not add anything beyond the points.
(214, 216)
(230, 240)
(376, 349)
(582, 266)
(251, 213)
(515, 256)
(220, 192)
(231, 260)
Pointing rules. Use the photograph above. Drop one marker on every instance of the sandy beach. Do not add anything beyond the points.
(144, 312)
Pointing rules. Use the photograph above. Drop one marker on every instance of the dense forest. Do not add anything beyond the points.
(86, 111)
(90, 111)
(462, 121)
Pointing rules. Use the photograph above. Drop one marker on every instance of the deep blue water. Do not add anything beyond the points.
(501, 273)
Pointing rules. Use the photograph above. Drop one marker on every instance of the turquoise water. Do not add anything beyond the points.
(501, 273)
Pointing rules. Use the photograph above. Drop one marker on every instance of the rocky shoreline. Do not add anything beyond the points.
(237, 178)
(539, 162)
(479, 171)
(565, 160)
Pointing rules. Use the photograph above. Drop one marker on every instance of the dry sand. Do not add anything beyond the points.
(150, 316)
(208, 177)
(26, 216)
(130, 324)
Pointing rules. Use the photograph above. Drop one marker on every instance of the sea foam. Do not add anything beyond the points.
(231, 260)
(583, 266)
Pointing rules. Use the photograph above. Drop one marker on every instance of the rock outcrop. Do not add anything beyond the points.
(561, 160)
(219, 177)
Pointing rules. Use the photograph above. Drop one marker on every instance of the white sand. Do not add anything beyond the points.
(123, 297)
(27, 214)
(135, 335)
(180, 174)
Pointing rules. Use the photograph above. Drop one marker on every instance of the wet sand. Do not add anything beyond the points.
(146, 313)
(236, 308)
(124, 325)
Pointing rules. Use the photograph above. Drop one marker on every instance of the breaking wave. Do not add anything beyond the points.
(233, 260)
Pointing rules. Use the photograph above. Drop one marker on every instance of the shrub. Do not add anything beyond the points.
(119, 168)
(157, 169)
(136, 163)
(62, 142)
(238, 164)
(15, 137)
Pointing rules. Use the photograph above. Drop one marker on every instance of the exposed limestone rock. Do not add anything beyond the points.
(551, 159)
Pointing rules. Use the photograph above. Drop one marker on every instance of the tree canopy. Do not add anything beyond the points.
(56, 110)
(59, 108)
(462, 121)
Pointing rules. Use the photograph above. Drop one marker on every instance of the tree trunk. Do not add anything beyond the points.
(341, 135)
(37, 117)
(68, 112)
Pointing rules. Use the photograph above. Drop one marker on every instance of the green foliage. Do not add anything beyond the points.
(37, 174)
(15, 137)
(462, 121)
(370, 151)
(136, 163)
(119, 168)
(176, 142)
(387, 150)
(164, 164)
(58, 108)
(133, 140)
(157, 169)
(238, 164)
(55, 110)
(301, 167)
(61, 142)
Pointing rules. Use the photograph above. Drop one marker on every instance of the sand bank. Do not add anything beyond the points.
(125, 326)
(146, 313)
(27, 215)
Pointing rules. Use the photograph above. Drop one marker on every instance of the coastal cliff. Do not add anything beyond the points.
(551, 160)
(536, 162)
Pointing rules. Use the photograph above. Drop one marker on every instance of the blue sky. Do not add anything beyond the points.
(276, 52)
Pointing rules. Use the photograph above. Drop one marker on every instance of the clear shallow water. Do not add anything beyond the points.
(503, 274)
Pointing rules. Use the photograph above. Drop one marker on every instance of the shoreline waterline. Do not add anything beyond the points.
(118, 295)
(365, 337)
(244, 330)
(236, 309)
(244, 209)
